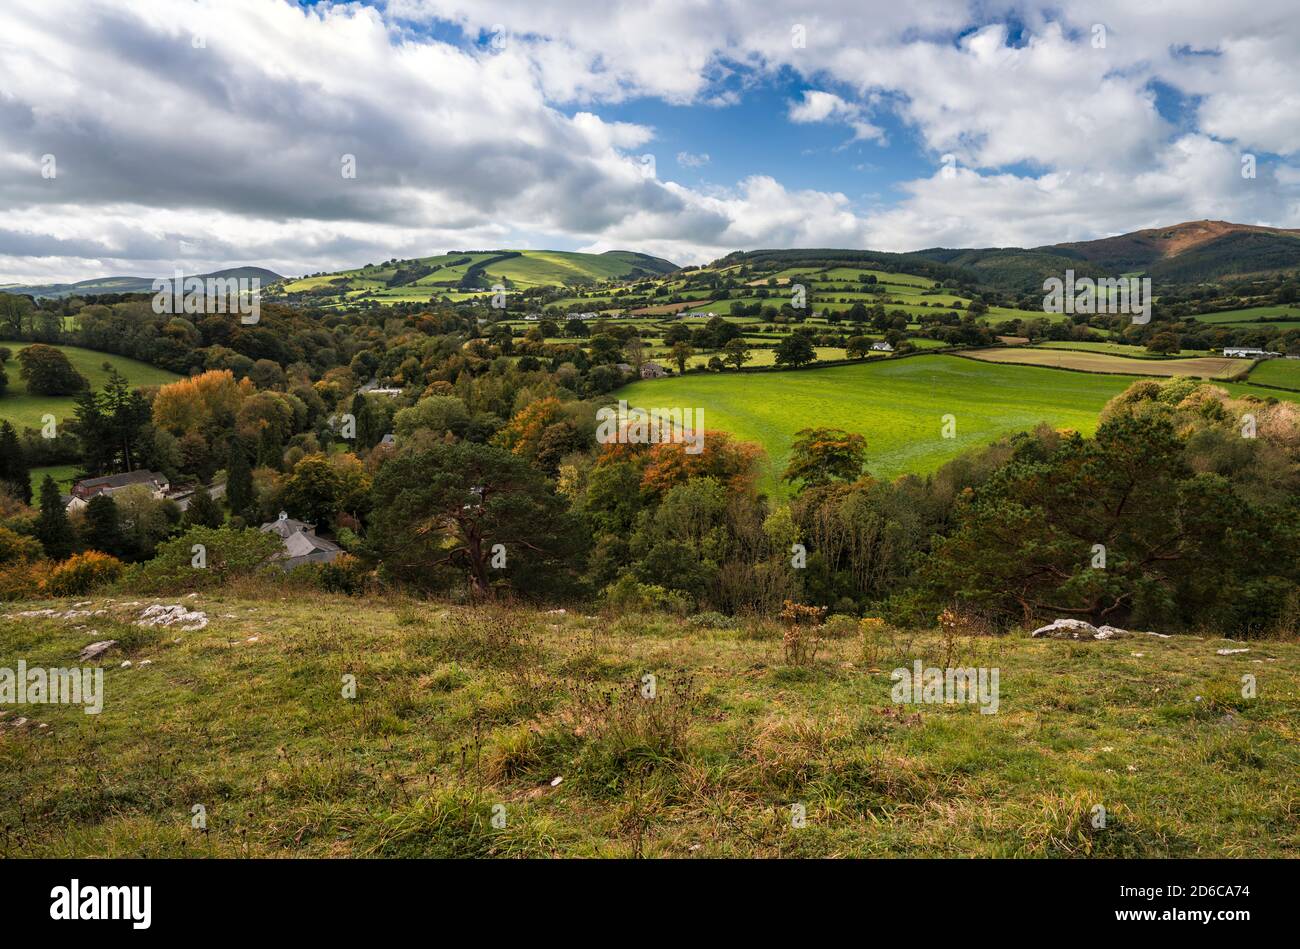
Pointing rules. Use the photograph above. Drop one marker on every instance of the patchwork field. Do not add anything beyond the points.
(1204, 367)
(462, 714)
(24, 410)
(898, 404)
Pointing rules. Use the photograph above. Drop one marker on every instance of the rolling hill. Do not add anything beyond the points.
(457, 274)
(99, 285)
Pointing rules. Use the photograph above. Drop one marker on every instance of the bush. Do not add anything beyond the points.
(82, 573)
(627, 595)
(713, 621)
(18, 548)
(225, 553)
(22, 580)
(347, 574)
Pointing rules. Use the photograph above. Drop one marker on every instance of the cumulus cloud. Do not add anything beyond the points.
(216, 133)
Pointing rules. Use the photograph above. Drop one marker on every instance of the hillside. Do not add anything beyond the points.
(99, 285)
(540, 720)
(457, 275)
(25, 410)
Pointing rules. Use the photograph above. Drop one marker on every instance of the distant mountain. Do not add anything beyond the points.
(1183, 253)
(131, 284)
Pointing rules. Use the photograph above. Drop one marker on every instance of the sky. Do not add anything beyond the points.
(144, 136)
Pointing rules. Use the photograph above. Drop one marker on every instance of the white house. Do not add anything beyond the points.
(301, 545)
(1247, 353)
(882, 346)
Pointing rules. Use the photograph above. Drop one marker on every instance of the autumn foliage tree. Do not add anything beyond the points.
(822, 455)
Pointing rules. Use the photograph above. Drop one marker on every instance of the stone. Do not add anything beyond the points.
(95, 650)
(1230, 652)
(1066, 629)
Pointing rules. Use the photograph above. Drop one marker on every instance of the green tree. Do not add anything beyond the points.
(52, 527)
(103, 526)
(47, 371)
(736, 352)
(203, 511)
(449, 506)
(15, 475)
(680, 353)
(794, 351)
(821, 455)
(239, 479)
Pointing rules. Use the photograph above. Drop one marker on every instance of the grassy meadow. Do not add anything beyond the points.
(460, 710)
(898, 404)
(24, 410)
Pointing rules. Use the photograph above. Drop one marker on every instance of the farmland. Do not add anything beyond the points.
(1284, 373)
(1205, 367)
(25, 410)
(898, 404)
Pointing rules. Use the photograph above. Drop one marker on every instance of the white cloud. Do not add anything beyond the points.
(229, 151)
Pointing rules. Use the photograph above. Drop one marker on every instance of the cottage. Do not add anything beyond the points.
(1249, 353)
(109, 485)
(301, 545)
(882, 346)
(652, 370)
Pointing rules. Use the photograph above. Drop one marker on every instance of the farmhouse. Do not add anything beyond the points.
(882, 346)
(652, 370)
(1246, 353)
(88, 488)
(301, 545)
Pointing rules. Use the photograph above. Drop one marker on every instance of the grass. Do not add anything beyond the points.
(458, 711)
(898, 404)
(25, 410)
(1116, 349)
(1284, 373)
(1250, 314)
(1205, 367)
(63, 476)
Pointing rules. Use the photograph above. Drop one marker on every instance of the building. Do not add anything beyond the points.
(652, 370)
(881, 346)
(301, 545)
(109, 485)
(1246, 353)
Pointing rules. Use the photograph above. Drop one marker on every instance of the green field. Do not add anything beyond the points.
(898, 404)
(1250, 314)
(1277, 372)
(25, 411)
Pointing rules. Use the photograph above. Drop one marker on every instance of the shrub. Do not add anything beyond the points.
(22, 580)
(225, 553)
(713, 621)
(17, 548)
(82, 573)
(840, 626)
(629, 596)
(347, 574)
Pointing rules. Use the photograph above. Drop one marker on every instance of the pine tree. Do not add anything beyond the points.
(15, 476)
(103, 527)
(203, 511)
(52, 527)
(239, 479)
